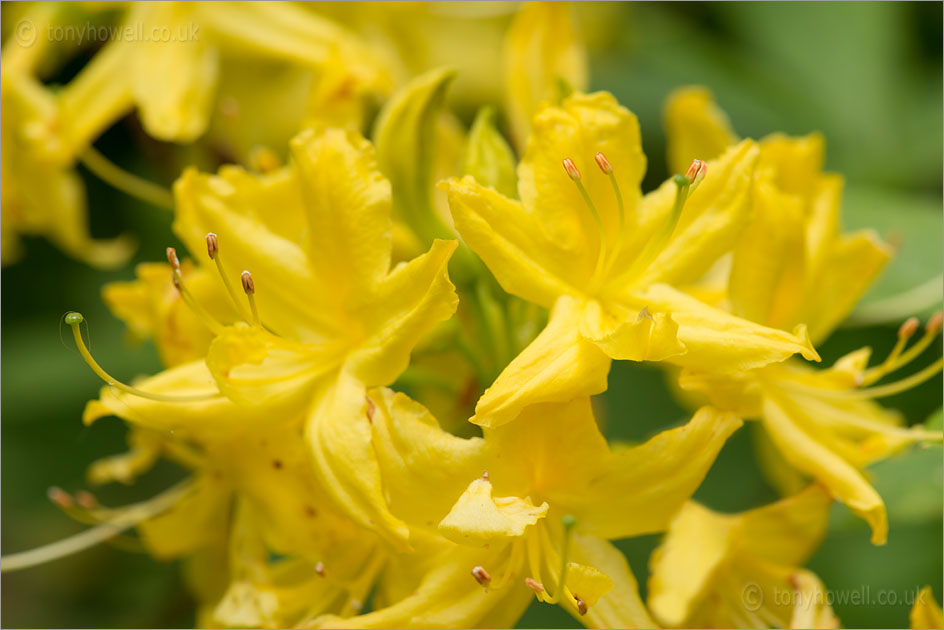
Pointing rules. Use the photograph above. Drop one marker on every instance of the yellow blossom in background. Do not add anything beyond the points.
(792, 265)
(743, 570)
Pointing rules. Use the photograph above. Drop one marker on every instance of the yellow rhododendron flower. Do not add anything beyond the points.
(535, 498)
(791, 266)
(42, 193)
(743, 570)
(172, 78)
(328, 316)
(588, 245)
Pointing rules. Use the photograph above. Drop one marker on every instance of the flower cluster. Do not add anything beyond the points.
(347, 303)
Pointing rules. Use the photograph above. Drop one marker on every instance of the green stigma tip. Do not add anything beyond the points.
(681, 180)
(568, 521)
(74, 319)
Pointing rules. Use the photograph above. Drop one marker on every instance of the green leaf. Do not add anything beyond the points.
(488, 157)
(912, 283)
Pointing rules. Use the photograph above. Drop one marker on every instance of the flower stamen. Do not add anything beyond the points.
(75, 320)
(185, 294)
(126, 518)
(607, 169)
(249, 287)
(568, 522)
(213, 251)
(481, 576)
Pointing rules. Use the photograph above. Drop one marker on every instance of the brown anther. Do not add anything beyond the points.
(213, 245)
(571, 169)
(603, 163)
(248, 285)
(909, 328)
(643, 314)
(86, 499)
(60, 497)
(581, 606)
(371, 410)
(696, 172)
(319, 569)
(934, 324)
(481, 576)
(534, 585)
(172, 258)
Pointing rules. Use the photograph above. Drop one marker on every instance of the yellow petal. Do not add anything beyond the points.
(98, 96)
(682, 568)
(542, 48)
(338, 433)
(695, 127)
(151, 307)
(234, 206)
(410, 301)
(425, 469)
(846, 274)
(552, 449)
(789, 531)
(173, 81)
(201, 417)
(511, 242)
(582, 126)
(198, 519)
(630, 336)
(716, 340)
(926, 613)
(654, 479)
(796, 162)
(286, 31)
(804, 451)
(478, 517)
(447, 596)
(768, 281)
(558, 366)
(125, 468)
(812, 609)
(620, 606)
(254, 368)
(347, 202)
(710, 223)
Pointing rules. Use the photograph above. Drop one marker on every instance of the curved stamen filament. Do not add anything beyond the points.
(899, 357)
(904, 384)
(568, 522)
(575, 176)
(185, 294)
(127, 518)
(126, 182)
(607, 169)
(75, 320)
(213, 250)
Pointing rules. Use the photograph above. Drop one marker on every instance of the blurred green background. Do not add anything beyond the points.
(867, 75)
